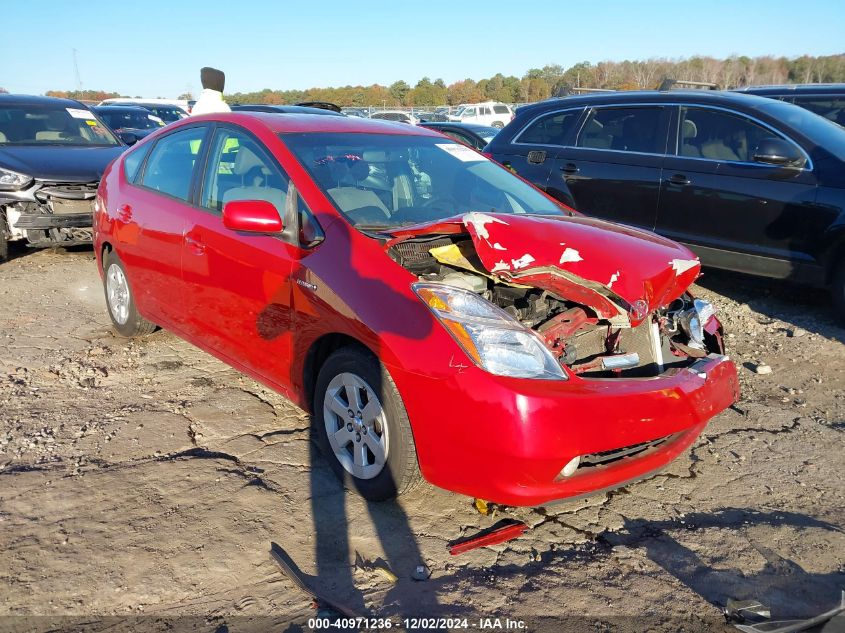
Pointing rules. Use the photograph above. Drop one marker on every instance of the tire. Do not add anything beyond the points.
(353, 450)
(120, 301)
(498, 124)
(4, 241)
(837, 291)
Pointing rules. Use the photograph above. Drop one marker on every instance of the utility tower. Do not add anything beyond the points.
(76, 72)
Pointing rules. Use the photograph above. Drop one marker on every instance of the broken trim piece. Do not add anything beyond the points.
(503, 531)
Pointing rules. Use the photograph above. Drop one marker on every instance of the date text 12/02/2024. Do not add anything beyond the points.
(380, 624)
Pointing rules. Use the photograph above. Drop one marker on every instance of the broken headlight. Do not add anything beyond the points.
(12, 180)
(692, 321)
(492, 338)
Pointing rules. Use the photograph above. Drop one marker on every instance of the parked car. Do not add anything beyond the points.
(167, 112)
(282, 109)
(476, 136)
(750, 184)
(489, 113)
(124, 120)
(345, 264)
(362, 113)
(827, 100)
(52, 154)
(395, 115)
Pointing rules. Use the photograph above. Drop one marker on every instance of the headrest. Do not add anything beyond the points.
(359, 169)
(375, 155)
(690, 130)
(212, 79)
(246, 160)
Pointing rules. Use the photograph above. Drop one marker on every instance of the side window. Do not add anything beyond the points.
(132, 162)
(239, 168)
(171, 162)
(717, 135)
(500, 109)
(551, 129)
(625, 129)
(469, 112)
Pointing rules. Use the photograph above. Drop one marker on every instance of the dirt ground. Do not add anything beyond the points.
(145, 479)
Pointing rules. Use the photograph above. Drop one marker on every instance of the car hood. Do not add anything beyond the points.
(620, 272)
(57, 163)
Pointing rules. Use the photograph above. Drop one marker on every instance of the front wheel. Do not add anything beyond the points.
(362, 427)
(120, 301)
(837, 290)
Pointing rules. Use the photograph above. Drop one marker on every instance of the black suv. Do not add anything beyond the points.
(751, 184)
(827, 100)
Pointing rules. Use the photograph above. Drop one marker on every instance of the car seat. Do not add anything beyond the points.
(689, 131)
(254, 175)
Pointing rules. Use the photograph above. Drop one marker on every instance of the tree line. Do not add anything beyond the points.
(541, 83)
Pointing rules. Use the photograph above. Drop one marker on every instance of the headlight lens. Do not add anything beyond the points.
(492, 338)
(10, 180)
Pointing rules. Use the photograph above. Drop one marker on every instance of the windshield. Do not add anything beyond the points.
(52, 125)
(821, 131)
(383, 181)
(168, 114)
(131, 120)
(458, 112)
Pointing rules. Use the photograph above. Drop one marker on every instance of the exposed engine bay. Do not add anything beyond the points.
(581, 339)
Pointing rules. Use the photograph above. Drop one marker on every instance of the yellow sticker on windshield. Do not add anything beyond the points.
(91, 122)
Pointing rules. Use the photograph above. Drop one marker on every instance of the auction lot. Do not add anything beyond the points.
(146, 478)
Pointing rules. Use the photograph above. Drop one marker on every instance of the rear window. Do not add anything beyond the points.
(501, 109)
(831, 108)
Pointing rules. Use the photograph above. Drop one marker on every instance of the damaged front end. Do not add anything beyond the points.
(51, 213)
(603, 301)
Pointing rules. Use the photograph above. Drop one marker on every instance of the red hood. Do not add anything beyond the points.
(621, 272)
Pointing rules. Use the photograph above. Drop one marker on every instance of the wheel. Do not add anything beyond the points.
(362, 427)
(124, 316)
(498, 124)
(837, 290)
(4, 240)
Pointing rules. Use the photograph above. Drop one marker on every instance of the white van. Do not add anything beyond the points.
(489, 113)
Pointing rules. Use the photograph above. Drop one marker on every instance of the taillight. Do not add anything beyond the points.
(487, 154)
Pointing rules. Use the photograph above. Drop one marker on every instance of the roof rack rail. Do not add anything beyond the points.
(566, 91)
(667, 84)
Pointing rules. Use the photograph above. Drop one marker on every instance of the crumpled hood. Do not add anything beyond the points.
(621, 272)
(56, 163)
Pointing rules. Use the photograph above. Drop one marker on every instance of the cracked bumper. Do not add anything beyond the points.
(506, 440)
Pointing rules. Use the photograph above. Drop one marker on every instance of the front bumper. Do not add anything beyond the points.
(506, 440)
(51, 221)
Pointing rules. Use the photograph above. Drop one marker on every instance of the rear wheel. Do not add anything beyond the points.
(362, 427)
(498, 124)
(120, 301)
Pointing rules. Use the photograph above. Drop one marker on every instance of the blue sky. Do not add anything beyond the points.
(156, 49)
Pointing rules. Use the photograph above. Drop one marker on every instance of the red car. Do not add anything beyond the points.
(439, 316)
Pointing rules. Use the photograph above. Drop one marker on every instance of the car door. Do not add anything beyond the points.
(613, 168)
(735, 211)
(152, 214)
(239, 285)
(532, 151)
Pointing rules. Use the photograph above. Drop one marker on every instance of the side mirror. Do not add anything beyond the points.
(775, 151)
(252, 216)
(128, 137)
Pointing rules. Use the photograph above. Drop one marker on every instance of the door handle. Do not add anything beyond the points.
(678, 179)
(195, 245)
(569, 168)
